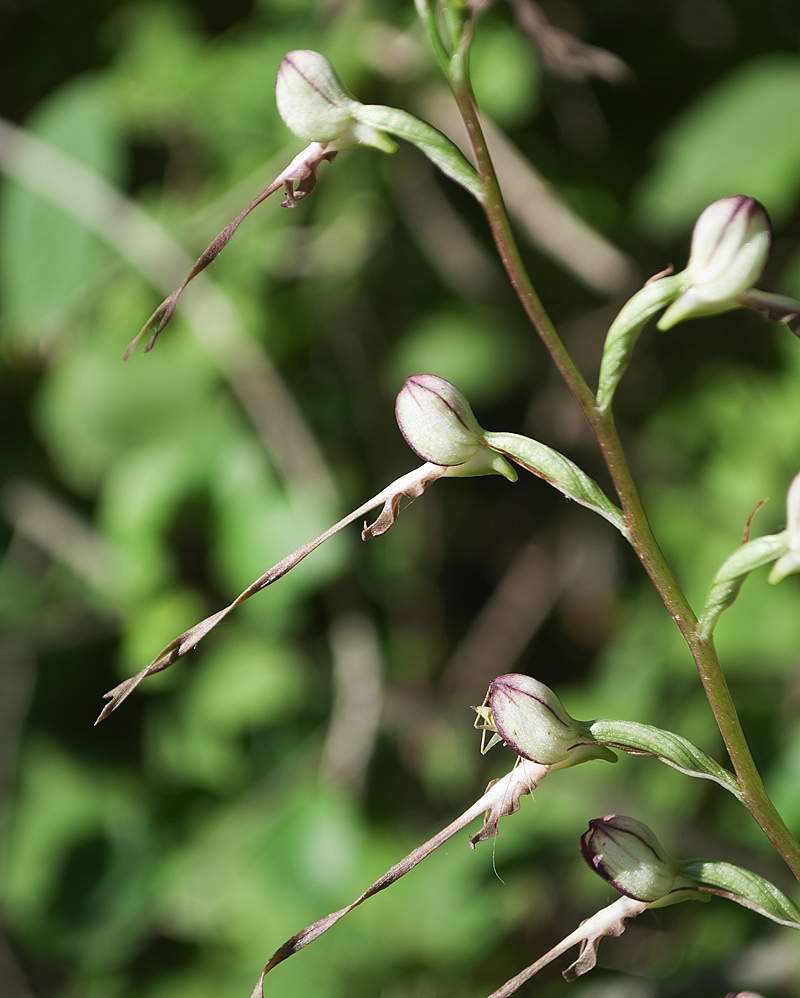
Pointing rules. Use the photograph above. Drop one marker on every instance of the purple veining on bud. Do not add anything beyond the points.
(789, 564)
(730, 246)
(627, 855)
(437, 421)
(311, 98)
(531, 719)
(439, 426)
(732, 233)
(316, 106)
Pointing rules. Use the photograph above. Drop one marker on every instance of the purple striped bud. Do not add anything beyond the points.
(531, 719)
(730, 247)
(626, 854)
(437, 421)
(317, 107)
(439, 426)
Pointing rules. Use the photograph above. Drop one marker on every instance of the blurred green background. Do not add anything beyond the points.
(324, 730)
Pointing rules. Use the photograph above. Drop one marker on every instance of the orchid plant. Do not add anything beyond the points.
(729, 251)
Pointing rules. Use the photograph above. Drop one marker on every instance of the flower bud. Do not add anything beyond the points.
(730, 246)
(530, 718)
(626, 854)
(437, 421)
(439, 426)
(316, 106)
(789, 564)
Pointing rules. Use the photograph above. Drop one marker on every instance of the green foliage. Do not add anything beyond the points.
(470, 349)
(505, 74)
(49, 257)
(742, 135)
(247, 791)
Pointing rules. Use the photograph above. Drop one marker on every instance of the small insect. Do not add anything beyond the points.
(485, 722)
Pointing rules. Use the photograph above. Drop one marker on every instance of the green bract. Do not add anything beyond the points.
(625, 331)
(744, 887)
(559, 471)
(729, 579)
(669, 748)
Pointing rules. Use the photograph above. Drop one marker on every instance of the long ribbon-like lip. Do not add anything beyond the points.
(775, 308)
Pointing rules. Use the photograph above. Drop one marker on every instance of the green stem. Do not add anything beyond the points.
(754, 796)
(427, 15)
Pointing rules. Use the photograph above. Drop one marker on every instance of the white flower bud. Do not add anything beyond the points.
(437, 421)
(439, 426)
(316, 106)
(789, 564)
(626, 854)
(531, 719)
(730, 246)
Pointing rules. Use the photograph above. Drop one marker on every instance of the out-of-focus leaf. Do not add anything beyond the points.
(259, 524)
(463, 348)
(505, 74)
(246, 682)
(94, 409)
(65, 805)
(741, 136)
(47, 257)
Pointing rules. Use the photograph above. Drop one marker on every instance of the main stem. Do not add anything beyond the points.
(641, 537)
